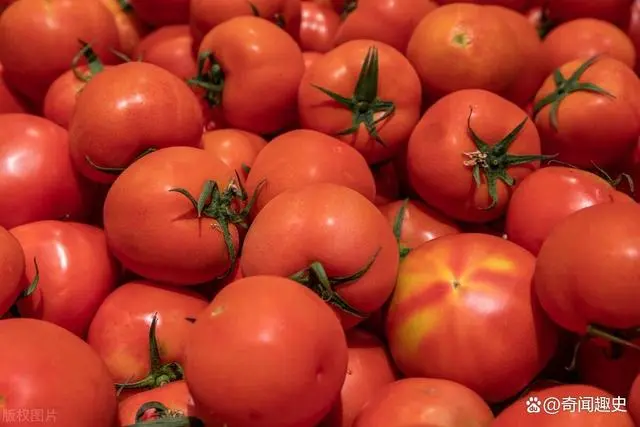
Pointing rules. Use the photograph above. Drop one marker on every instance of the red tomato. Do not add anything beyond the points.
(587, 268)
(452, 293)
(162, 12)
(39, 38)
(549, 195)
(425, 402)
(520, 5)
(37, 178)
(258, 347)
(75, 269)
(120, 329)
(171, 48)
(387, 183)
(310, 58)
(236, 148)
(442, 156)
(318, 27)
(174, 396)
(615, 11)
(260, 66)
(302, 157)
(298, 233)
(634, 400)
(10, 102)
(53, 374)
(611, 368)
(634, 32)
(130, 28)
(12, 264)
(368, 371)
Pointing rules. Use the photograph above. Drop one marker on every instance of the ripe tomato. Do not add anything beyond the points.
(387, 183)
(10, 102)
(634, 32)
(237, 149)
(130, 27)
(48, 369)
(549, 195)
(634, 400)
(157, 232)
(441, 301)
(398, 18)
(75, 272)
(174, 397)
(258, 347)
(310, 58)
(318, 27)
(615, 11)
(503, 151)
(12, 263)
(37, 179)
(369, 370)
(519, 5)
(170, 48)
(299, 158)
(461, 46)
(611, 368)
(297, 234)
(586, 269)
(256, 68)
(39, 38)
(364, 92)
(162, 12)
(119, 332)
(425, 402)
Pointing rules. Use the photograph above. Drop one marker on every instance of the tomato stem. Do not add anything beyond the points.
(118, 170)
(157, 414)
(349, 6)
(397, 228)
(610, 336)
(617, 181)
(545, 25)
(125, 6)
(93, 62)
(210, 78)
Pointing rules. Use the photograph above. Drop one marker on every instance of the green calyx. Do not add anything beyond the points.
(119, 169)
(157, 414)
(221, 206)
(620, 338)
(349, 6)
(94, 64)
(315, 278)
(125, 6)
(397, 228)
(210, 78)
(364, 103)
(277, 19)
(15, 312)
(565, 87)
(159, 374)
(493, 161)
(545, 25)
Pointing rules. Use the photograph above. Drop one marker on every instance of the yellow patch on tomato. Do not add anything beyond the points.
(412, 331)
(497, 264)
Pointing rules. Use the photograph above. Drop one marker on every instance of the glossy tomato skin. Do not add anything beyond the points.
(310, 58)
(39, 38)
(37, 178)
(12, 263)
(76, 272)
(425, 401)
(398, 18)
(141, 218)
(369, 369)
(236, 148)
(318, 27)
(303, 157)
(78, 391)
(171, 48)
(601, 367)
(338, 71)
(586, 268)
(175, 396)
(549, 195)
(444, 288)
(519, 5)
(293, 318)
(634, 400)
(615, 11)
(435, 154)
(128, 109)
(160, 13)
(10, 101)
(304, 225)
(130, 28)
(119, 332)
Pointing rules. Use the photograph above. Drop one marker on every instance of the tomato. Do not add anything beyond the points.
(387, 182)
(398, 18)
(37, 179)
(440, 142)
(160, 13)
(376, 115)
(75, 271)
(120, 329)
(130, 28)
(586, 269)
(300, 233)
(302, 157)
(442, 298)
(310, 58)
(584, 38)
(39, 38)
(53, 374)
(144, 105)
(549, 195)
(634, 32)
(611, 368)
(236, 148)
(634, 400)
(519, 5)
(170, 48)
(10, 102)
(462, 46)
(318, 27)
(12, 263)
(257, 67)
(174, 396)
(258, 349)
(425, 402)
(207, 14)
(369, 370)
(615, 11)
(558, 407)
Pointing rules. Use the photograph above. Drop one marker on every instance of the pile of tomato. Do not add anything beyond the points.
(320, 213)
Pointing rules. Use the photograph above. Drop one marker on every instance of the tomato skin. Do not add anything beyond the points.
(436, 169)
(120, 329)
(614, 11)
(140, 218)
(599, 367)
(634, 400)
(310, 58)
(12, 264)
(170, 48)
(10, 102)
(174, 396)
(37, 178)
(127, 109)
(234, 147)
(292, 317)
(318, 27)
(262, 68)
(425, 401)
(634, 32)
(585, 271)
(519, 5)
(303, 157)
(548, 196)
(130, 28)
(43, 353)
(387, 183)
(338, 72)
(161, 13)
(39, 38)
(427, 311)
(302, 226)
